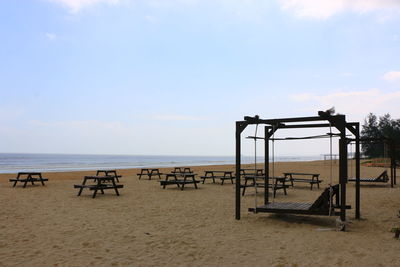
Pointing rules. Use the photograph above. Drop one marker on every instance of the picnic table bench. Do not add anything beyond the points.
(149, 173)
(100, 183)
(188, 178)
(28, 177)
(294, 177)
(280, 183)
(109, 173)
(223, 175)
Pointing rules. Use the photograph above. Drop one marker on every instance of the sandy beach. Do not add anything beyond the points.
(150, 226)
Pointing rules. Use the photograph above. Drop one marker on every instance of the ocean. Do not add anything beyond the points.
(17, 162)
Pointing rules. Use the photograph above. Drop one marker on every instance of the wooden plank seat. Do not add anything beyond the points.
(109, 173)
(98, 187)
(381, 178)
(150, 173)
(101, 183)
(294, 177)
(188, 178)
(28, 177)
(279, 184)
(222, 175)
(325, 204)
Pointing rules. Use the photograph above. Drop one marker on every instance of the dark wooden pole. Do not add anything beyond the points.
(394, 160)
(266, 165)
(238, 167)
(392, 163)
(340, 125)
(357, 171)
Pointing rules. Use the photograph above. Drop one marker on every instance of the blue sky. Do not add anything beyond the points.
(171, 77)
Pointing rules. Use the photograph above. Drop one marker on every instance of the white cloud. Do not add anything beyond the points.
(51, 36)
(355, 104)
(77, 5)
(323, 9)
(392, 76)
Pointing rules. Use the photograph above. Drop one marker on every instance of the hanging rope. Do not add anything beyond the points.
(386, 155)
(273, 156)
(255, 167)
(351, 160)
(328, 135)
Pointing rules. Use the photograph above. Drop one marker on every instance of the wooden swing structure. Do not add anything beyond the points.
(323, 120)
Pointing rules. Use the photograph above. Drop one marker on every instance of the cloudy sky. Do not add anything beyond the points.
(171, 77)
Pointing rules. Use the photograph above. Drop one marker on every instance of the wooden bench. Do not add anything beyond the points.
(280, 183)
(294, 177)
(224, 175)
(188, 178)
(109, 173)
(381, 178)
(28, 177)
(101, 183)
(149, 173)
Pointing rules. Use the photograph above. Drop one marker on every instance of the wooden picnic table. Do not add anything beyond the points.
(294, 177)
(223, 175)
(28, 177)
(100, 183)
(149, 173)
(109, 173)
(188, 178)
(251, 171)
(279, 183)
(182, 170)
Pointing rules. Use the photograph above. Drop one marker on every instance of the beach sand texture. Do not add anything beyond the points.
(148, 226)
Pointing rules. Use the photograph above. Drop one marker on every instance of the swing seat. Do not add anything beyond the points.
(382, 178)
(321, 206)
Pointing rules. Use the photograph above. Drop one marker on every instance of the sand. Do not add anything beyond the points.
(150, 226)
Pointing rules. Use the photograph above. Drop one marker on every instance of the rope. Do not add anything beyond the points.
(306, 137)
(385, 155)
(351, 160)
(273, 157)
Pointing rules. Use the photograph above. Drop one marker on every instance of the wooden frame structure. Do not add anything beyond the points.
(323, 120)
(358, 140)
(392, 148)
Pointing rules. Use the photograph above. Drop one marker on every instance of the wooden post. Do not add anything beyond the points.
(238, 167)
(357, 171)
(394, 160)
(392, 163)
(240, 126)
(266, 165)
(340, 125)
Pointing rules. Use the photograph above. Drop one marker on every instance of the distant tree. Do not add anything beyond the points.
(384, 127)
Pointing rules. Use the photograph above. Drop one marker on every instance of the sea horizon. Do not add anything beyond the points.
(58, 162)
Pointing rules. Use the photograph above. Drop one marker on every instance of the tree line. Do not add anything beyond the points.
(383, 127)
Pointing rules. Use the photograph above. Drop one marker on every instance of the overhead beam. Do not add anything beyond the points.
(252, 120)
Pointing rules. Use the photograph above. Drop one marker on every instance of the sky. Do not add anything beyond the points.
(171, 77)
